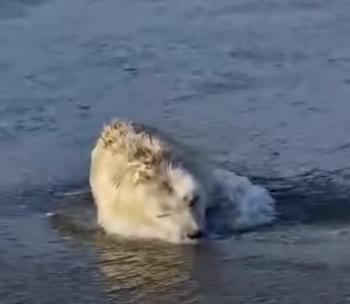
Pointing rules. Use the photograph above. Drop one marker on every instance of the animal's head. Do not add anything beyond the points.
(171, 204)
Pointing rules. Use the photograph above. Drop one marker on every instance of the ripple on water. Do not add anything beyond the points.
(16, 8)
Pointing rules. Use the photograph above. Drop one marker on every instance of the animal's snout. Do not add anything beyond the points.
(195, 234)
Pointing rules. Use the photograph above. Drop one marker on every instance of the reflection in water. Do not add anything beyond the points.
(272, 265)
(134, 271)
(157, 272)
(138, 270)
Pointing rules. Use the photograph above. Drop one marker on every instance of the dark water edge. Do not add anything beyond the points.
(315, 198)
(303, 262)
(261, 87)
(299, 257)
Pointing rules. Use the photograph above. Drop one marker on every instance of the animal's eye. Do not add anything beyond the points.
(194, 200)
(163, 215)
(164, 212)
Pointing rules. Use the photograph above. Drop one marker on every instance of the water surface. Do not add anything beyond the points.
(262, 88)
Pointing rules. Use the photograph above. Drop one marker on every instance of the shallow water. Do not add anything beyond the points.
(261, 87)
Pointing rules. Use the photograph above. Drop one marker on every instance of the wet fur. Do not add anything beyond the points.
(130, 160)
(137, 174)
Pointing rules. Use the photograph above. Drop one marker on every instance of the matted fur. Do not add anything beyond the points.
(144, 154)
(141, 188)
(144, 186)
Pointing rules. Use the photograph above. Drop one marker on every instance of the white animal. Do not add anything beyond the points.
(148, 187)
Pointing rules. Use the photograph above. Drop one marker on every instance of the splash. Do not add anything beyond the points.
(243, 205)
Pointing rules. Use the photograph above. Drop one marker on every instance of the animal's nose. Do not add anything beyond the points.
(195, 234)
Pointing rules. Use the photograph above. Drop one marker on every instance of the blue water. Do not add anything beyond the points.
(262, 88)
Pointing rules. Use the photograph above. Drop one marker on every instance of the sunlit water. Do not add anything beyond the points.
(261, 88)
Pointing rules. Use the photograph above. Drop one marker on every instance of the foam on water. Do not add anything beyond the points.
(251, 204)
(236, 205)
